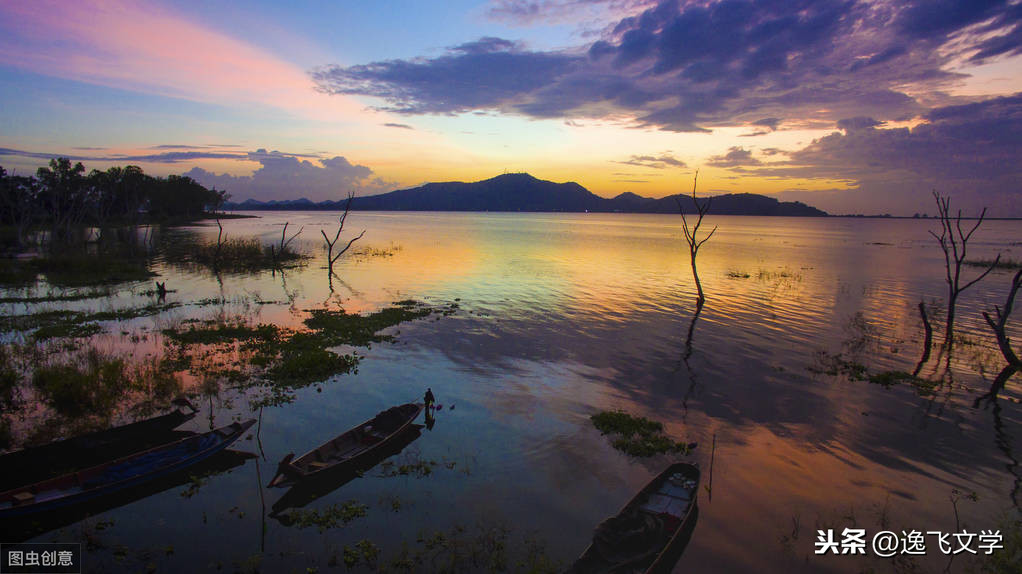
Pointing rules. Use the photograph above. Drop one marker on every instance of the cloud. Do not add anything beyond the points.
(972, 151)
(141, 46)
(402, 126)
(163, 157)
(546, 12)
(287, 176)
(690, 66)
(281, 175)
(735, 156)
(859, 123)
(765, 125)
(662, 161)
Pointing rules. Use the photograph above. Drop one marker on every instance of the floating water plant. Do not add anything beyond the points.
(330, 517)
(638, 436)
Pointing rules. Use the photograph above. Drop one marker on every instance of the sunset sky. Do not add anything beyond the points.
(850, 106)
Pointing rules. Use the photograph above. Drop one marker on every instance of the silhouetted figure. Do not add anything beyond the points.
(161, 290)
(428, 398)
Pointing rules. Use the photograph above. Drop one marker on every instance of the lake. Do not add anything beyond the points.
(556, 317)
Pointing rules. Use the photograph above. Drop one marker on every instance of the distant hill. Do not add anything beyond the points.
(522, 192)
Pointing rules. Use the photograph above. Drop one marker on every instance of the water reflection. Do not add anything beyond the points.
(564, 316)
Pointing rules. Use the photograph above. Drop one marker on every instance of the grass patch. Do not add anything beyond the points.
(637, 436)
(62, 323)
(59, 298)
(834, 365)
(9, 379)
(735, 274)
(94, 386)
(69, 330)
(783, 274)
(330, 517)
(281, 361)
(222, 333)
(233, 255)
(889, 379)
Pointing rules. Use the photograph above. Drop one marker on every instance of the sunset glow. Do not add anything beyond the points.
(861, 107)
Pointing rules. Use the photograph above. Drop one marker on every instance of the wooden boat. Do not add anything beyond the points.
(650, 532)
(312, 489)
(349, 448)
(23, 528)
(75, 487)
(34, 464)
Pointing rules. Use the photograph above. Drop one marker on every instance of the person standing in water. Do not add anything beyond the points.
(428, 398)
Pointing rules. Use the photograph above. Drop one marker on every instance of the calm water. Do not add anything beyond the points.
(562, 316)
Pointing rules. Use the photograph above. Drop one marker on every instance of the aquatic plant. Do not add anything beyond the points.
(232, 255)
(997, 263)
(330, 517)
(637, 436)
(280, 361)
(94, 386)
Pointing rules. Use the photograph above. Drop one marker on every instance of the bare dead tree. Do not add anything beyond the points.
(219, 242)
(279, 251)
(954, 242)
(691, 233)
(331, 258)
(927, 341)
(998, 324)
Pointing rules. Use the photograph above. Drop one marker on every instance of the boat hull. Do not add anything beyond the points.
(74, 488)
(350, 449)
(650, 533)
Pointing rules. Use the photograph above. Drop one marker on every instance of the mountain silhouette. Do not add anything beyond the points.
(523, 192)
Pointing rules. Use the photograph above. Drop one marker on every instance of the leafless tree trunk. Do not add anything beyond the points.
(691, 232)
(954, 242)
(927, 342)
(279, 252)
(331, 258)
(998, 325)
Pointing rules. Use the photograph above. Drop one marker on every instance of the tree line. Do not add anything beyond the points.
(63, 198)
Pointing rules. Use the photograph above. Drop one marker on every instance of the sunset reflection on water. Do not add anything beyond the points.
(562, 316)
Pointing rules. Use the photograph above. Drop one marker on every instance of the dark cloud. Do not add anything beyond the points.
(735, 156)
(685, 66)
(859, 123)
(973, 151)
(766, 126)
(402, 126)
(282, 176)
(525, 13)
(488, 74)
(661, 161)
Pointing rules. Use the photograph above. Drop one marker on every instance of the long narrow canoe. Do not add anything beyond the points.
(309, 490)
(37, 463)
(347, 450)
(122, 473)
(650, 532)
(23, 528)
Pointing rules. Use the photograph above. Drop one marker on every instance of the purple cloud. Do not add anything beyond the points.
(685, 66)
(735, 156)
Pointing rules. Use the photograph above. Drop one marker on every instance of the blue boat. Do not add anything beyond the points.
(99, 480)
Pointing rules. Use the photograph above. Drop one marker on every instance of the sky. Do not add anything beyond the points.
(853, 106)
